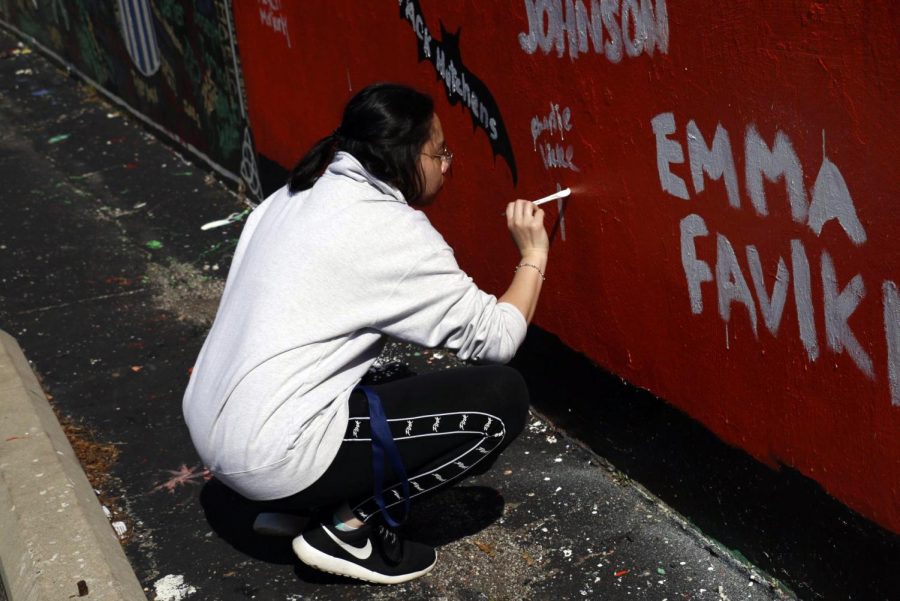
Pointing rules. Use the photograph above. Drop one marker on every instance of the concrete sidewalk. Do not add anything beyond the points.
(109, 285)
(56, 540)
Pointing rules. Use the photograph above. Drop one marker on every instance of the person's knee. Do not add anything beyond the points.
(510, 398)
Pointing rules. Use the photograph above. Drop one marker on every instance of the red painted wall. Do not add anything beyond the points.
(650, 273)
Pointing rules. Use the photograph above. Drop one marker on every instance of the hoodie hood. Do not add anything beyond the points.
(346, 165)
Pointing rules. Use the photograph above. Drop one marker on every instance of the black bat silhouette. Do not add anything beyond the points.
(460, 85)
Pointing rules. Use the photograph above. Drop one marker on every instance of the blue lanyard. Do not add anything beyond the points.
(383, 444)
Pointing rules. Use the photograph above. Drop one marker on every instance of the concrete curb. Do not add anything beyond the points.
(54, 532)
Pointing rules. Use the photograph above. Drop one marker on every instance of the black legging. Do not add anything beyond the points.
(447, 425)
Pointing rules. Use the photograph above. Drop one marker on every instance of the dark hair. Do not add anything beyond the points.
(384, 127)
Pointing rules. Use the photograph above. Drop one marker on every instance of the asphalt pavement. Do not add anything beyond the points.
(109, 285)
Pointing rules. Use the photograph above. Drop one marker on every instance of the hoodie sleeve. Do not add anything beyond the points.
(436, 304)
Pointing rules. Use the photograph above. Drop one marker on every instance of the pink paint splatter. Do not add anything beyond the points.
(182, 476)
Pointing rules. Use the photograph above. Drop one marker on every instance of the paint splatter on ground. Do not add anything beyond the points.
(183, 476)
(172, 588)
(182, 289)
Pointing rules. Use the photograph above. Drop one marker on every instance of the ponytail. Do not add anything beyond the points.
(384, 127)
(313, 164)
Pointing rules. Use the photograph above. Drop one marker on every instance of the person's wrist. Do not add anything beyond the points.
(535, 254)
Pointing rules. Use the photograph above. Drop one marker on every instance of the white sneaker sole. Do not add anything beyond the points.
(340, 567)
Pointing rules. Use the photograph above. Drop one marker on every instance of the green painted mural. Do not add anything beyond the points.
(173, 63)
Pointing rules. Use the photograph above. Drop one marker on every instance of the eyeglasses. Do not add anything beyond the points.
(446, 156)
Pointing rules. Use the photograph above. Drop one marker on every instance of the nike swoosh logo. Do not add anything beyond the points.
(361, 553)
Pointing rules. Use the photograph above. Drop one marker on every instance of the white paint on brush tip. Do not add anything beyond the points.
(561, 194)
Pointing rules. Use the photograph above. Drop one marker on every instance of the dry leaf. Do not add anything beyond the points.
(486, 548)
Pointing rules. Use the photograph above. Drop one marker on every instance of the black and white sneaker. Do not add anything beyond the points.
(373, 553)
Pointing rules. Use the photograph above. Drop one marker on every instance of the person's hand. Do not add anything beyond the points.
(526, 224)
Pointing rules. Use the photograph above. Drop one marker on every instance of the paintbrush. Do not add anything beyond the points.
(560, 194)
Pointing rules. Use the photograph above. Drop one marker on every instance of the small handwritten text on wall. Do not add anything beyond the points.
(271, 16)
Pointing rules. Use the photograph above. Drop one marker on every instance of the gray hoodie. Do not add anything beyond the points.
(317, 281)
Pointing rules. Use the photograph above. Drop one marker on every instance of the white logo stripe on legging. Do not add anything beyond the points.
(430, 435)
(430, 416)
(433, 415)
(460, 458)
(433, 425)
(435, 475)
(477, 451)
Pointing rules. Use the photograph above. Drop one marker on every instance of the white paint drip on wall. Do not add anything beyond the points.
(727, 342)
(561, 207)
(892, 334)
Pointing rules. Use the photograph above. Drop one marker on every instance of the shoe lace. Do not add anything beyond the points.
(391, 544)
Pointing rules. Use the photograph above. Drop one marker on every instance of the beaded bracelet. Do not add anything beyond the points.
(533, 267)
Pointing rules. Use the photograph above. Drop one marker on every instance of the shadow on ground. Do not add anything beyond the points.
(782, 521)
(446, 517)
